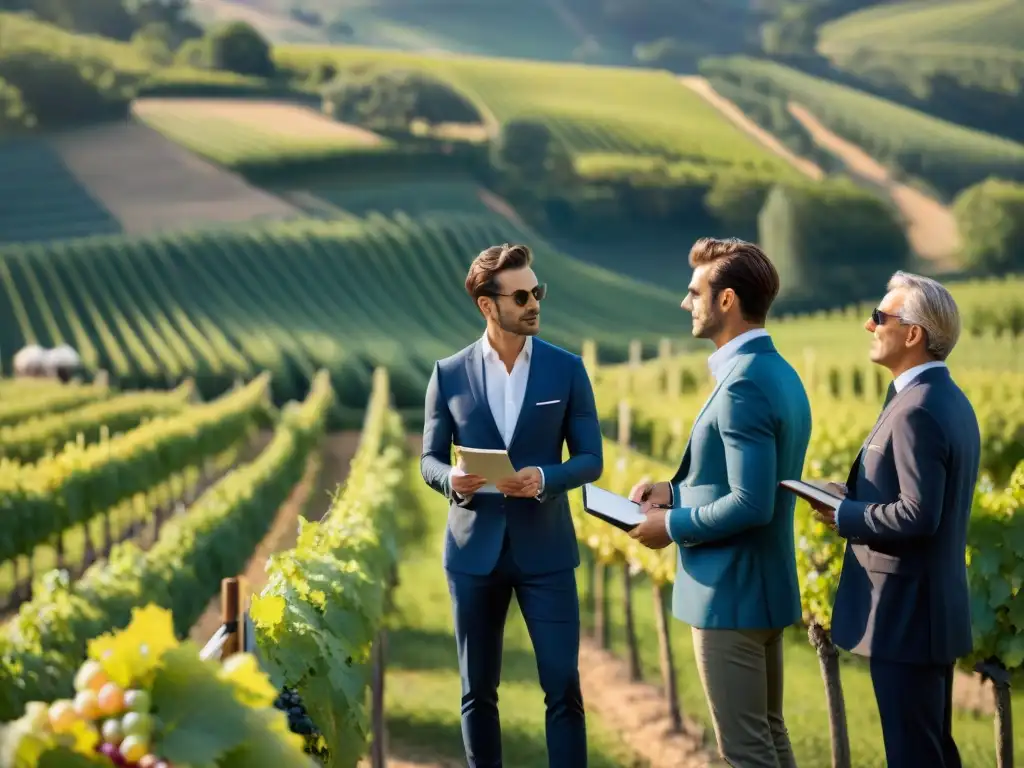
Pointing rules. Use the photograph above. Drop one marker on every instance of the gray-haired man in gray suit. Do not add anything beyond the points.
(902, 598)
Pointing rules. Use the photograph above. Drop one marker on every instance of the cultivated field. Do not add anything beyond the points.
(220, 303)
(244, 132)
(946, 156)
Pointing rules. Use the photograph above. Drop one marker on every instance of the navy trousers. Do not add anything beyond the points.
(550, 605)
(915, 703)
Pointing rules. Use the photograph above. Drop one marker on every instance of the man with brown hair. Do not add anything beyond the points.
(511, 391)
(736, 580)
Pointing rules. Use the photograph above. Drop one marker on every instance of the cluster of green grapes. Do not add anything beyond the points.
(121, 718)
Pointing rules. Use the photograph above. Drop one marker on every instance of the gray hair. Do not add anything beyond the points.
(929, 305)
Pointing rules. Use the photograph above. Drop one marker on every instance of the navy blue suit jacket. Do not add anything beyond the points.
(903, 595)
(541, 534)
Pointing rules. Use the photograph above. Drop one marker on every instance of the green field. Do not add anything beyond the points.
(591, 109)
(294, 296)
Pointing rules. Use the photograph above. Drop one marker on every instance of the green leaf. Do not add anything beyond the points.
(203, 718)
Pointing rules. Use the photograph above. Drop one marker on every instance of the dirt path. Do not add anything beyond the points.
(931, 228)
(640, 711)
(323, 474)
(729, 109)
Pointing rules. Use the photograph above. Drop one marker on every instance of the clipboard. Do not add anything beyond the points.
(489, 463)
(612, 508)
(812, 492)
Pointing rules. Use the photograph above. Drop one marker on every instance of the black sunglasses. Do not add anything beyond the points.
(878, 317)
(522, 296)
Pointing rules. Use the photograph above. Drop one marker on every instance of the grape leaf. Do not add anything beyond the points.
(252, 688)
(202, 717)
(267, 612)
(62, 757)
(133, 653)
(270, 744)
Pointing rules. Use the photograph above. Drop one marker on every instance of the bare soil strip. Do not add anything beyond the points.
(640, 711)
(931, 228)
(149, 183)
(729, 109)
(288, 120)
(323, 474)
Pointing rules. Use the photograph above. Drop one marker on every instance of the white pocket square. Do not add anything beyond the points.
(549, 402)
(873, 447)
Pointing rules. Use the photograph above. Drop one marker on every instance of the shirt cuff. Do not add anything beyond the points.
(668, 521)
(540, 492)
(452, 473)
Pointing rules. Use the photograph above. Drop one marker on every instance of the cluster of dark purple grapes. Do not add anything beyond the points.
(299, 722)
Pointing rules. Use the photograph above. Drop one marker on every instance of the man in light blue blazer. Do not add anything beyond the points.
(736, 581)
(509, 390)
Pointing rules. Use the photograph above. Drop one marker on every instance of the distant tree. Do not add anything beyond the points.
(238, 47)
(990, 216)
(390, 100)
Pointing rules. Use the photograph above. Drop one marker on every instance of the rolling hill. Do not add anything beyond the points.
(927, 24)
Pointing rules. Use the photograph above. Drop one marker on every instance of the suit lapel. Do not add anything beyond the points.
(892, 399)
(475, 374)
(684, 465)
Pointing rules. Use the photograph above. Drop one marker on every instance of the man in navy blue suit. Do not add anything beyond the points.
(509, 390)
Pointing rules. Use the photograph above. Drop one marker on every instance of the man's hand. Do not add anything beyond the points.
(652, 532)
(658, 493)
(825, 513)
(467, 485)
(524, 484)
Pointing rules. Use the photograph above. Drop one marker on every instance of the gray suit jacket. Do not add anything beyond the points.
(903, 594)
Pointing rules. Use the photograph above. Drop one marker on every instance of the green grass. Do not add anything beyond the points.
(291, 297)
(970, 23)
(423, 692)
(806, 716)
(946, 156)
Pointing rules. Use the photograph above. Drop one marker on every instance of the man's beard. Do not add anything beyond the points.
(518, 325)
(712, 324)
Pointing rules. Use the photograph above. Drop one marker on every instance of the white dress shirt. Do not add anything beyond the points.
(718, 363)
(905, 378)
(505, 393)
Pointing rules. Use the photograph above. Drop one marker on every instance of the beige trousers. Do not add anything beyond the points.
(741, 671)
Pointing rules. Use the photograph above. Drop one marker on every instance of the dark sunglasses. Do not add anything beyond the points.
(878, 317)
(522, 296)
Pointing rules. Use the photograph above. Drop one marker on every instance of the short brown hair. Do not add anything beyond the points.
(484, 271)
(742, 266)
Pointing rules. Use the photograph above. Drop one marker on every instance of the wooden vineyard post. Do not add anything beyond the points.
(378, 725)
(378, 743)
(664, 349)
(993, 670)
(636, 353)
(668, 666)
(601, 633)
(810, 365)
(828, 659)
(231, 613)
(625, 430)
(589, 355)
(633, 647)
